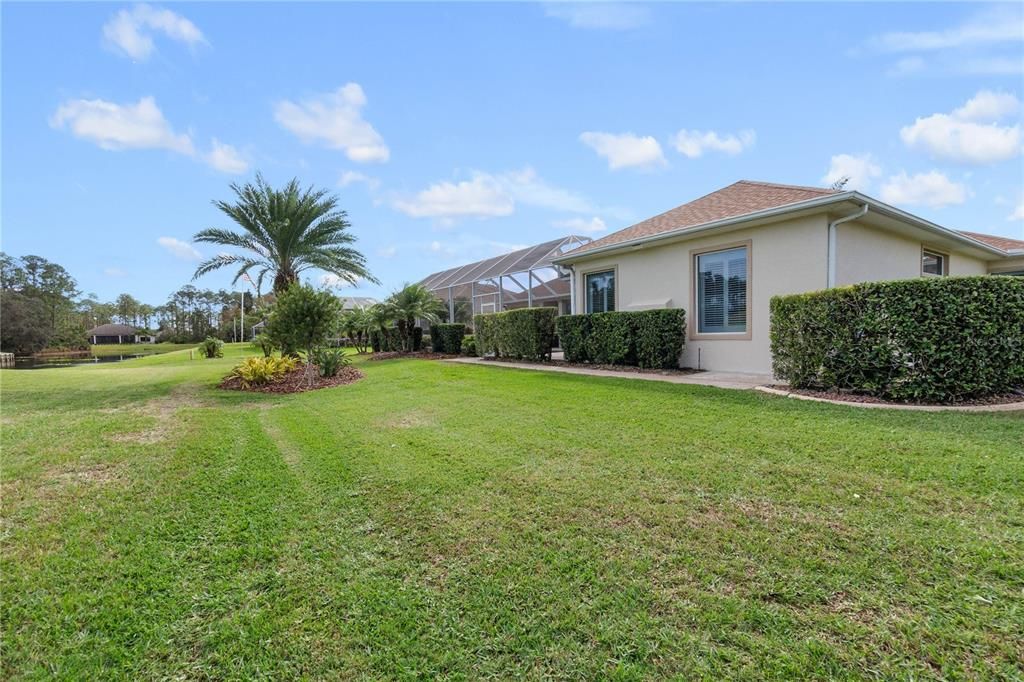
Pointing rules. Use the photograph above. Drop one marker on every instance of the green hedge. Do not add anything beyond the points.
(648, 338)
(469, 346)
(391, 340)
(942, 339)
(524, 333)
(447, 338)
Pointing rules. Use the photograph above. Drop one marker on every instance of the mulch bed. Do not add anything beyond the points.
(419, 355)
(296, 381)
(851, 397)
(584, 365)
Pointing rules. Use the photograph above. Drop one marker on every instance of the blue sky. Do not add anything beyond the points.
(456, 131)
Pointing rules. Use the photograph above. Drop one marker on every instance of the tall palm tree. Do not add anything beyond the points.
(412, 302)
(284, 232)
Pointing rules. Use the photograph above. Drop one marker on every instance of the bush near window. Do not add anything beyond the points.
(646, 338)
(469, 345)
(447, 338)
(212, 347)
(932, 339)
(524, 333)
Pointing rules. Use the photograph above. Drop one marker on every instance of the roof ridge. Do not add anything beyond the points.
(823, 190)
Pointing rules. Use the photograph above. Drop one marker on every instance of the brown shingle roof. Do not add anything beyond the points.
(1003, 243)
(739, 198)
(112, 330)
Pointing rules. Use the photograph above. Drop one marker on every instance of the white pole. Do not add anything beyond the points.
(242, 334)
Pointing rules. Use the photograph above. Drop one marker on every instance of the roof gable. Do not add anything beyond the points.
(739, 198)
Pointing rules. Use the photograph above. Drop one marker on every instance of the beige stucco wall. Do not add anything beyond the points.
(1006, 265)
(867, 254)
(786, 257)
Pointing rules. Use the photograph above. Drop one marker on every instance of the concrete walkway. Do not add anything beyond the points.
(716, 379)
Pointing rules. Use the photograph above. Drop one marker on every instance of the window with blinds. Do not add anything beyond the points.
(722, 292)
(933, 263)
(600, 291)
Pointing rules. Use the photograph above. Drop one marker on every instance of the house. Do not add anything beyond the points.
(118, 333)
(722, 258)
(353, 302)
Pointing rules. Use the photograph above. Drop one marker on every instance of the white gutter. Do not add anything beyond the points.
(831, 280)
(876, 206)
(572, 290)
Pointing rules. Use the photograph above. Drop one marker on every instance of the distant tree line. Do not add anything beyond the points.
(41, 307)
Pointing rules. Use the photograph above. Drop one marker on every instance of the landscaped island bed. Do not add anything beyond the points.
(446, 520)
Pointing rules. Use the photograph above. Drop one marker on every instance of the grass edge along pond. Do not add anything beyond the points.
(443, 520)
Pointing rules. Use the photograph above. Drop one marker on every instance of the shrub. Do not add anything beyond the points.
(303, 318)
(328, 361)
(469, 345)
(524, 333)
(256, 371)
(212, 347)
(647, 338)
(610, 341)
(572, 333)
(932, 339)
(391, 341)
(447, 338)
(264, 344)
(659, 337)
(417, 339)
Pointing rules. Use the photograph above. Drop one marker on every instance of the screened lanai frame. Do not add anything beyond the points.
(523, 278)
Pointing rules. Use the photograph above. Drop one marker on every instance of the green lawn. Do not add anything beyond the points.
(103, 349)
(441, 520)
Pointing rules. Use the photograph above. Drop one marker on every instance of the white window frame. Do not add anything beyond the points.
(928, 251)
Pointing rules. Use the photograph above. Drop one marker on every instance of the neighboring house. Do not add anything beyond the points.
(723, 256)
(118, 333)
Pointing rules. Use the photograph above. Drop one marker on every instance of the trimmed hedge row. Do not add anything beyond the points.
(447, 338)
(390, 340)
(646, 338)
(524, 333)
(937, 339)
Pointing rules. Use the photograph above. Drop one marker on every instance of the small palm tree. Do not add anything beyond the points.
(284, 232)
(413, 302)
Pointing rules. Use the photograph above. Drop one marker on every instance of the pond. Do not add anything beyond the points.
(29, 362)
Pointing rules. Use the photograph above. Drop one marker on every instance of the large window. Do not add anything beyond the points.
(600, 291)
(722, 291)
(933, 263)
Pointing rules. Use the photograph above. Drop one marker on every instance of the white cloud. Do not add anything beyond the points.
(481, 197)
(625, 150)
(527, 187)
(991, 66)
(333, 281)
(988, 106)
(693, 143)
(114, 272)
(986, 29)
(225, 158)
(116, 126)
(351, 177)
(181, 249)
(931, 189)
(1018, 213)
(971, 133)
(387, 251)
(860, 169)
(907, 66)
(487, 195)
(581, 225)
(608, 16)
(335, 119)
(130, 32)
